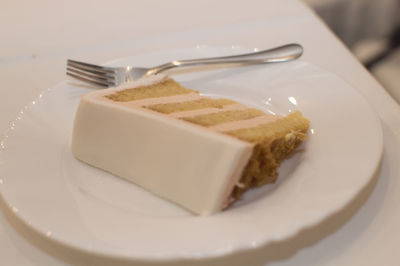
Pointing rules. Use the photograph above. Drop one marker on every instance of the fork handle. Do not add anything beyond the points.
(278, 54)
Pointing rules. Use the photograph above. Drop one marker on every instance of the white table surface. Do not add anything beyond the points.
(38, 36)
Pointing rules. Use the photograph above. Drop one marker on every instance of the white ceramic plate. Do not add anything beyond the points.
(85, 208)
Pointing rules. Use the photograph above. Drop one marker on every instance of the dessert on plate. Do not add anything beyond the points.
(199, 152)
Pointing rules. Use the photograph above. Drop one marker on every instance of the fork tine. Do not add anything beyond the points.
(91, 74)
(98, 82)
(90, 67)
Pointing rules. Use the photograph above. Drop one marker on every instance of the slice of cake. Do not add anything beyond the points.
(199, 152)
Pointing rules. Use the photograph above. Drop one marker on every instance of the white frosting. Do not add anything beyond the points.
(210, 110)
(184, 163)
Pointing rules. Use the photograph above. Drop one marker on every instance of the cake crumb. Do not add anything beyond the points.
(240, 185)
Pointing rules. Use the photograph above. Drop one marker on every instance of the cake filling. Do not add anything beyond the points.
(205, 111)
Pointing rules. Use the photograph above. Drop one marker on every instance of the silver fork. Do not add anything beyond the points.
(114, 76)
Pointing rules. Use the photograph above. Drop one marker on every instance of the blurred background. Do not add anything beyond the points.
(371, 30)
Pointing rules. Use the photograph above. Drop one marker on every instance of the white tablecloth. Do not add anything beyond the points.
(38, 36)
